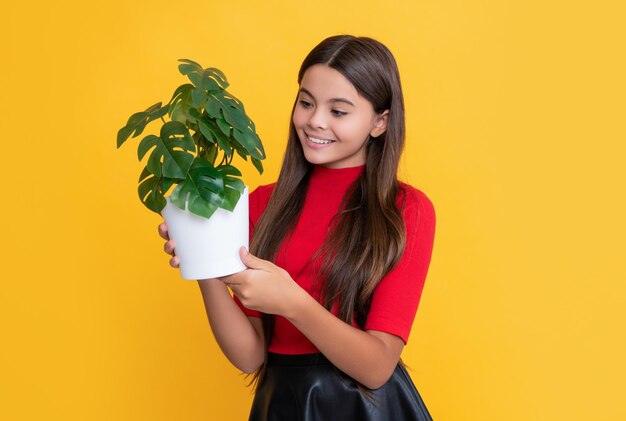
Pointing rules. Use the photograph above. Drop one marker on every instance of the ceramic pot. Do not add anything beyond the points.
(209, 248)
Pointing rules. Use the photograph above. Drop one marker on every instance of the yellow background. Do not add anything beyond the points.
(515, 115)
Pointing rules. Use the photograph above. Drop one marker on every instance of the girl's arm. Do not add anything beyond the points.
(239, 337)
(367, 356)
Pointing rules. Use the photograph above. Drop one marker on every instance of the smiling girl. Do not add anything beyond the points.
(339, 252)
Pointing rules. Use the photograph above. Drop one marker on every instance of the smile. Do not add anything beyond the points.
(320, 141)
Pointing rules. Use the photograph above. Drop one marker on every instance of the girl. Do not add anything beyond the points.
(339, 253)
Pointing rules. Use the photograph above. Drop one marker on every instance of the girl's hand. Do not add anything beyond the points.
(264, 286)
(169, 247)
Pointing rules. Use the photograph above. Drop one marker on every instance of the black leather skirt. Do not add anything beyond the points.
(309, 388)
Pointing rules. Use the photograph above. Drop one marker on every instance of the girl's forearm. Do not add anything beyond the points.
(368, 357)
(238, 339)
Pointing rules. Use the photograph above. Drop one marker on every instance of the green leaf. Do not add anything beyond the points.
(231, 198)
(205, 129)
(151, 190)
(242, 154)
(138, 121)
(232, 109)
(180, 92)
(180, 111)
(236, 118)
(213, 107)
(241, 151)
(193, 112)
(214, 80)
(229, 170)
(186, 60)
(233, 186)
(202, 192)
(224, 147)
(222, 141)
(224, 127)
(219, 75)
(251, 142)
(177, 113)
(257, 140)
(198, 97)
(167, 159)
(209, 83)
(212, 154)
(258, 165)
(193, 71)
(123, 134)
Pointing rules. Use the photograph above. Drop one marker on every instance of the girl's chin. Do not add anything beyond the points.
(314, 159)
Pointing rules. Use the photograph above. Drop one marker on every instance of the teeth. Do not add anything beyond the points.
(320, 141)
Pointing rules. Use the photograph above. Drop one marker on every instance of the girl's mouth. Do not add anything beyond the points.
(319, 141)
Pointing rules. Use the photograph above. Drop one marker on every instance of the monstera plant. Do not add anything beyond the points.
(194, 150)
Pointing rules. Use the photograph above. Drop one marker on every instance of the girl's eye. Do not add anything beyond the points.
(305, 104)
(338, 113)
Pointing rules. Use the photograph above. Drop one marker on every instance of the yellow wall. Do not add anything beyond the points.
(515, 113)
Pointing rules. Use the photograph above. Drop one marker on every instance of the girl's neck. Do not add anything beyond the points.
(338, 172)
(334, 179)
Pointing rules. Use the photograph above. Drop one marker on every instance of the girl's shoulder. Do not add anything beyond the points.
(412, 198)
(417, 210)
(262, 193)
(258, 200)
(419, 217)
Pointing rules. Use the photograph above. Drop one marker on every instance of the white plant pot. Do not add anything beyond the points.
(208, 248)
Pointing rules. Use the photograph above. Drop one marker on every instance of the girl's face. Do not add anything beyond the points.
(333, 121)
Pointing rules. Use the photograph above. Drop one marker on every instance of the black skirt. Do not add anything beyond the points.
(309, 388)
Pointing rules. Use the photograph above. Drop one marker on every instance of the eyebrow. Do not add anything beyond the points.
(332, 100)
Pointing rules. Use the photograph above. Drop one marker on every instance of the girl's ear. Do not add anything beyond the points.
(381, 124)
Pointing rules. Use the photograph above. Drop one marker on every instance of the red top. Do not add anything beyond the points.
(396, 297)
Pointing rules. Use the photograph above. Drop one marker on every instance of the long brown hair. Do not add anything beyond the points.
(367, 237)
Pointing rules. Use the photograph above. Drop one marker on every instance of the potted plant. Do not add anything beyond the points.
(207, 210)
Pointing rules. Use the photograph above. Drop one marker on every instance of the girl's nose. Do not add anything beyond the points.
(317, 119)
